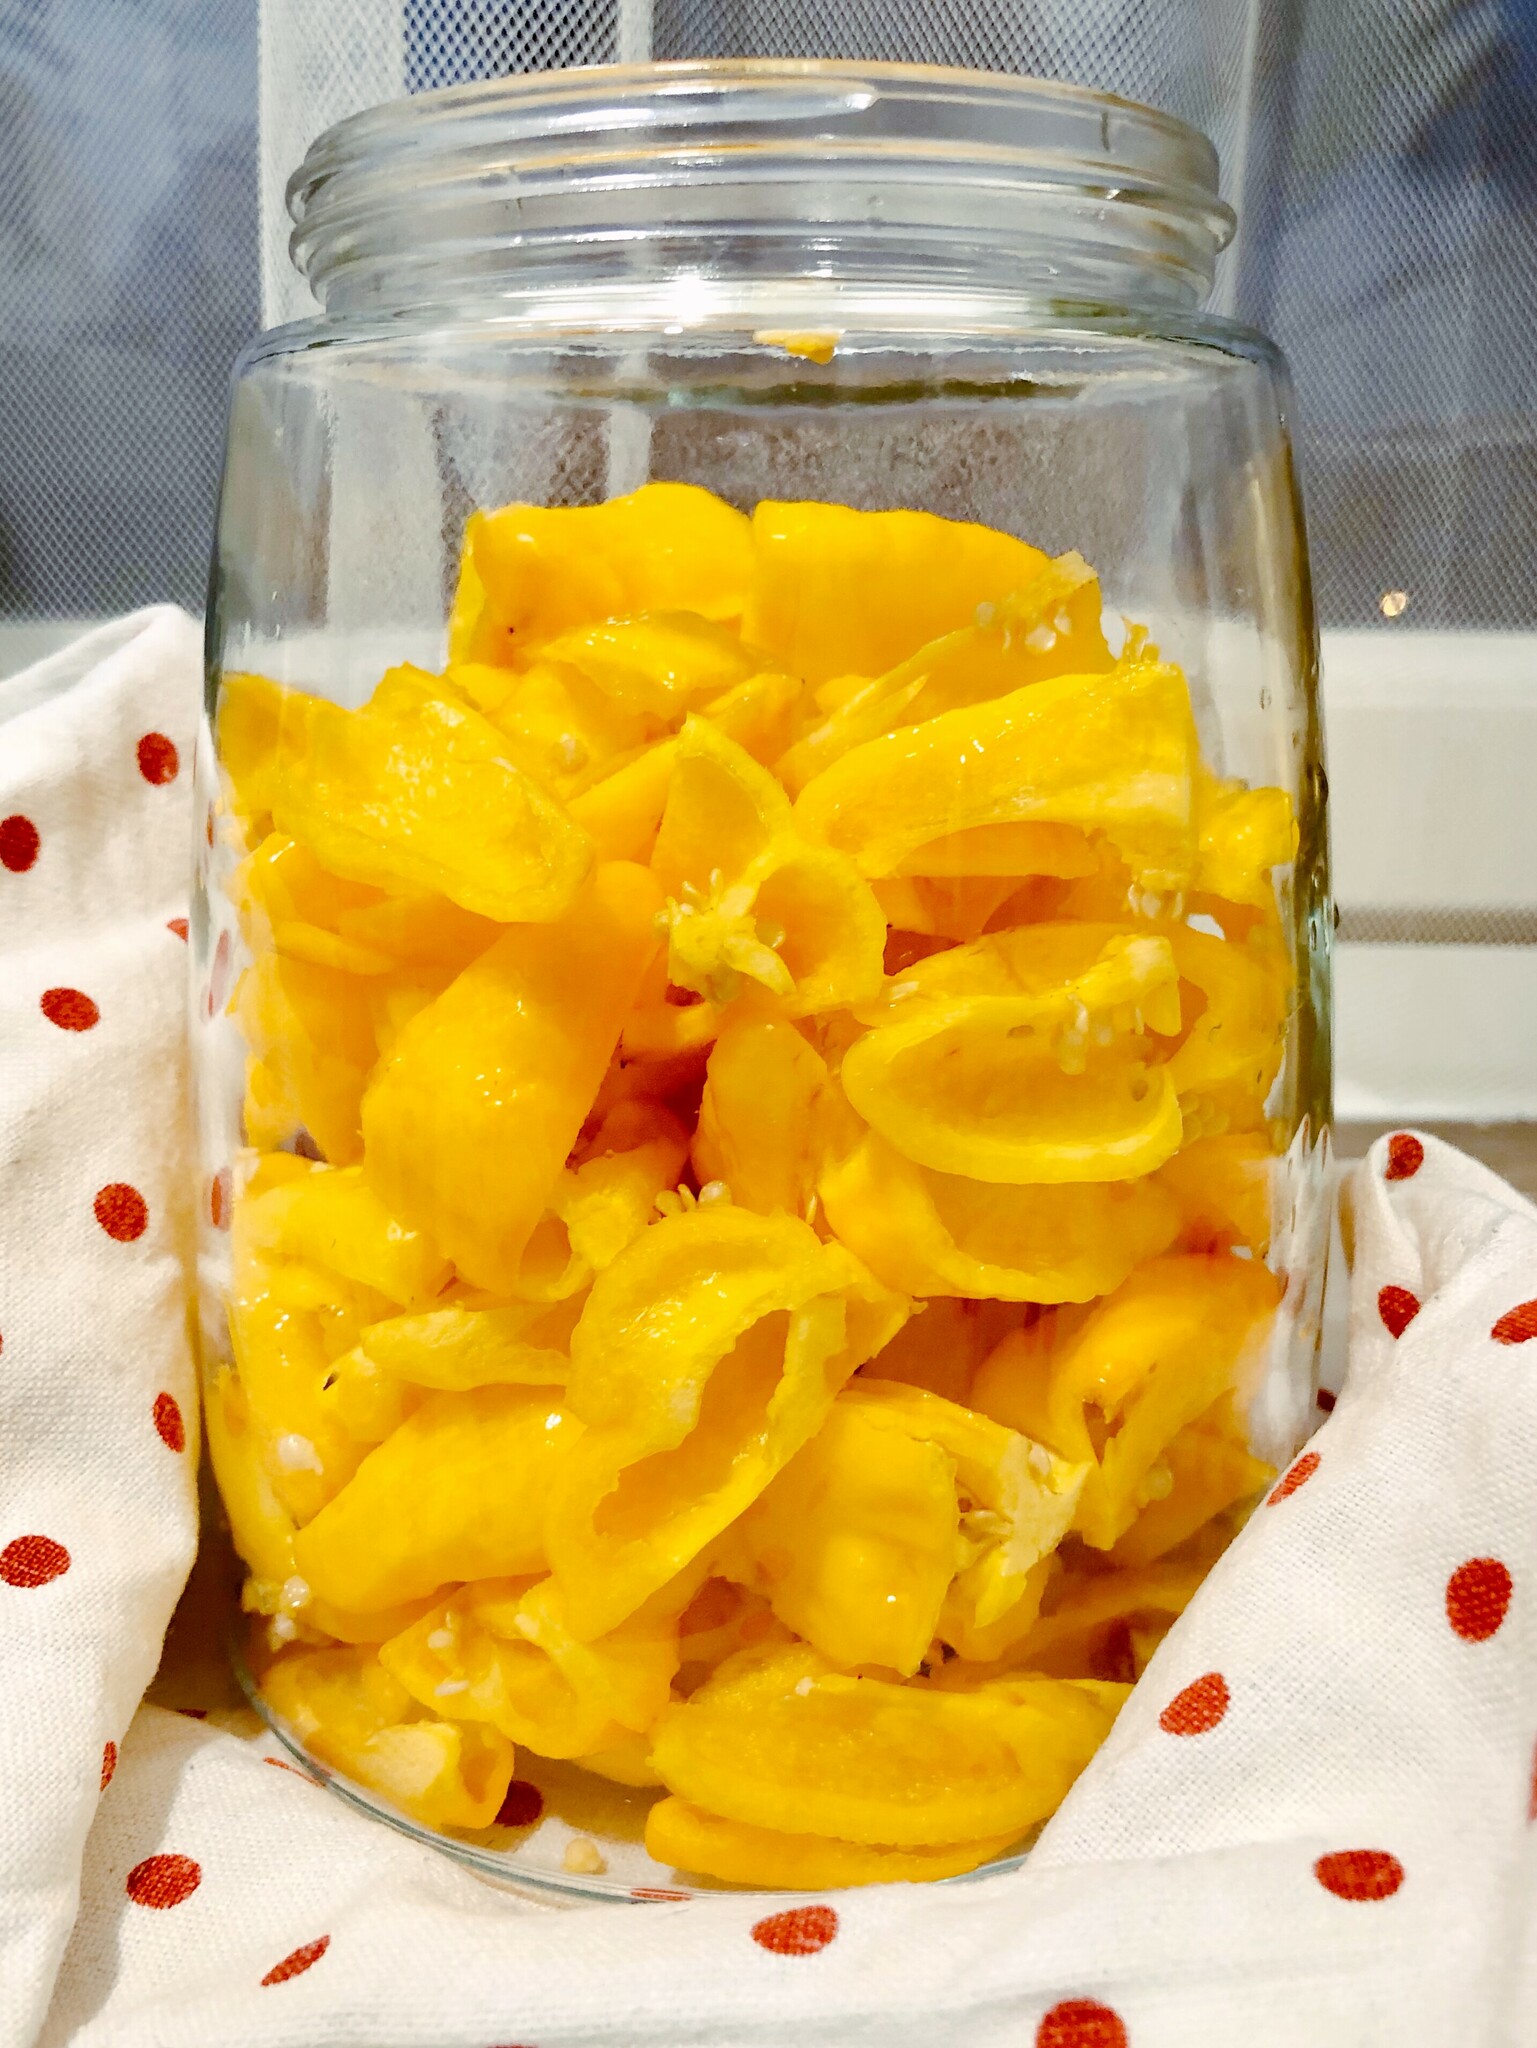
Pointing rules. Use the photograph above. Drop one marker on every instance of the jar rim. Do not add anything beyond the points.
(576, 157)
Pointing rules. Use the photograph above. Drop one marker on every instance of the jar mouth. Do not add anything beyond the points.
(754, 168)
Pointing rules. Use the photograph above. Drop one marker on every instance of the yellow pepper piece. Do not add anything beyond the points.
(604, 1202)
(815, 345)
(287, 900)
(1016, 1500)
(944, 906)
(1027, 1086)
(624, 1761)
(661, 663)
(283, 1366)
(994, 1642)
(416, 792)
(1014, 850)
(838, 592)
(691, 1840)
(747, 899)
(456, 1349)
(1210, 1468)
(354, 1716)
(435, 1503)
(259, 725)
(1236, 1040)
(311, 1034)
(758, 1126)
(262, 1528)
(506, 1655)
(1050, 626)
(941, 1234)
(1242, 834)
(779, 1741)
(1171, 1340)
(374, 1628)
(942, 1345)
(761, 714)
(331, 1217)
(1223, 1188)
(470, 1119)
(707, 1354)
(1091, 1615)
(665, 547)
(856, 1542)
(1110, 753)
(559, 725)
(621, 813)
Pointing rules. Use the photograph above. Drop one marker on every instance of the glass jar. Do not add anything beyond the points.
(764, 916)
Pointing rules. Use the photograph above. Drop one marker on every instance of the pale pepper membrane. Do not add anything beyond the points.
(749, 1258)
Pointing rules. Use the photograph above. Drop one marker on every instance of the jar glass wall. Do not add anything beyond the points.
(764, 913)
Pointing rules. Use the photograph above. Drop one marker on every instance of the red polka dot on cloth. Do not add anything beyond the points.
(169, 1425)
(163, 1881)
(219, 1199)
(19, 843)
(1477, 1598)
(70, 1008)
(177, 925)
(1325, 1401)
(1397, 1308)
(1531, 1805)
(1081, 2023)
(108, 1764)
(522, 1805)
(1359, 1873)
(302, 1959)
(1198, 1708)
(158, 758)
(1406, 1155)
(1299, 1475)
(801, 1932)
(1517, 1326)
(33, 1561)
(121, 1211)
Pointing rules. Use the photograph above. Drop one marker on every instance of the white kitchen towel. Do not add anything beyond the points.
(1312, 1824)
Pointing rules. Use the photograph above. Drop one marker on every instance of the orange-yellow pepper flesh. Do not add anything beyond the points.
(345, 1707)
(1110, 753)
(417, 793)
(688, 1838)
(1243, 835)
(707, 1354)
(1211, 1468)
(748, 900)
(942, 1234)
(1223, 1188)
(510, 1658)
(1173, 1338)
(259, 723)
(433, 1504)
(1084, 1606)
(312, 1039)
(261, 1526)
(329, 1215)
(856, 1542)
(1048, 627)
(757, 1128)
(541, 572)
(1026, 1086)
(838, 592)
(454, 1349)
(658, 663)
(780, 1741)
(469, 1120)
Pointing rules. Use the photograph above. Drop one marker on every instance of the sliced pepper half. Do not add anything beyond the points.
(778, 1740)
(707, 1354)
(1113, 754)
(471, 1117)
